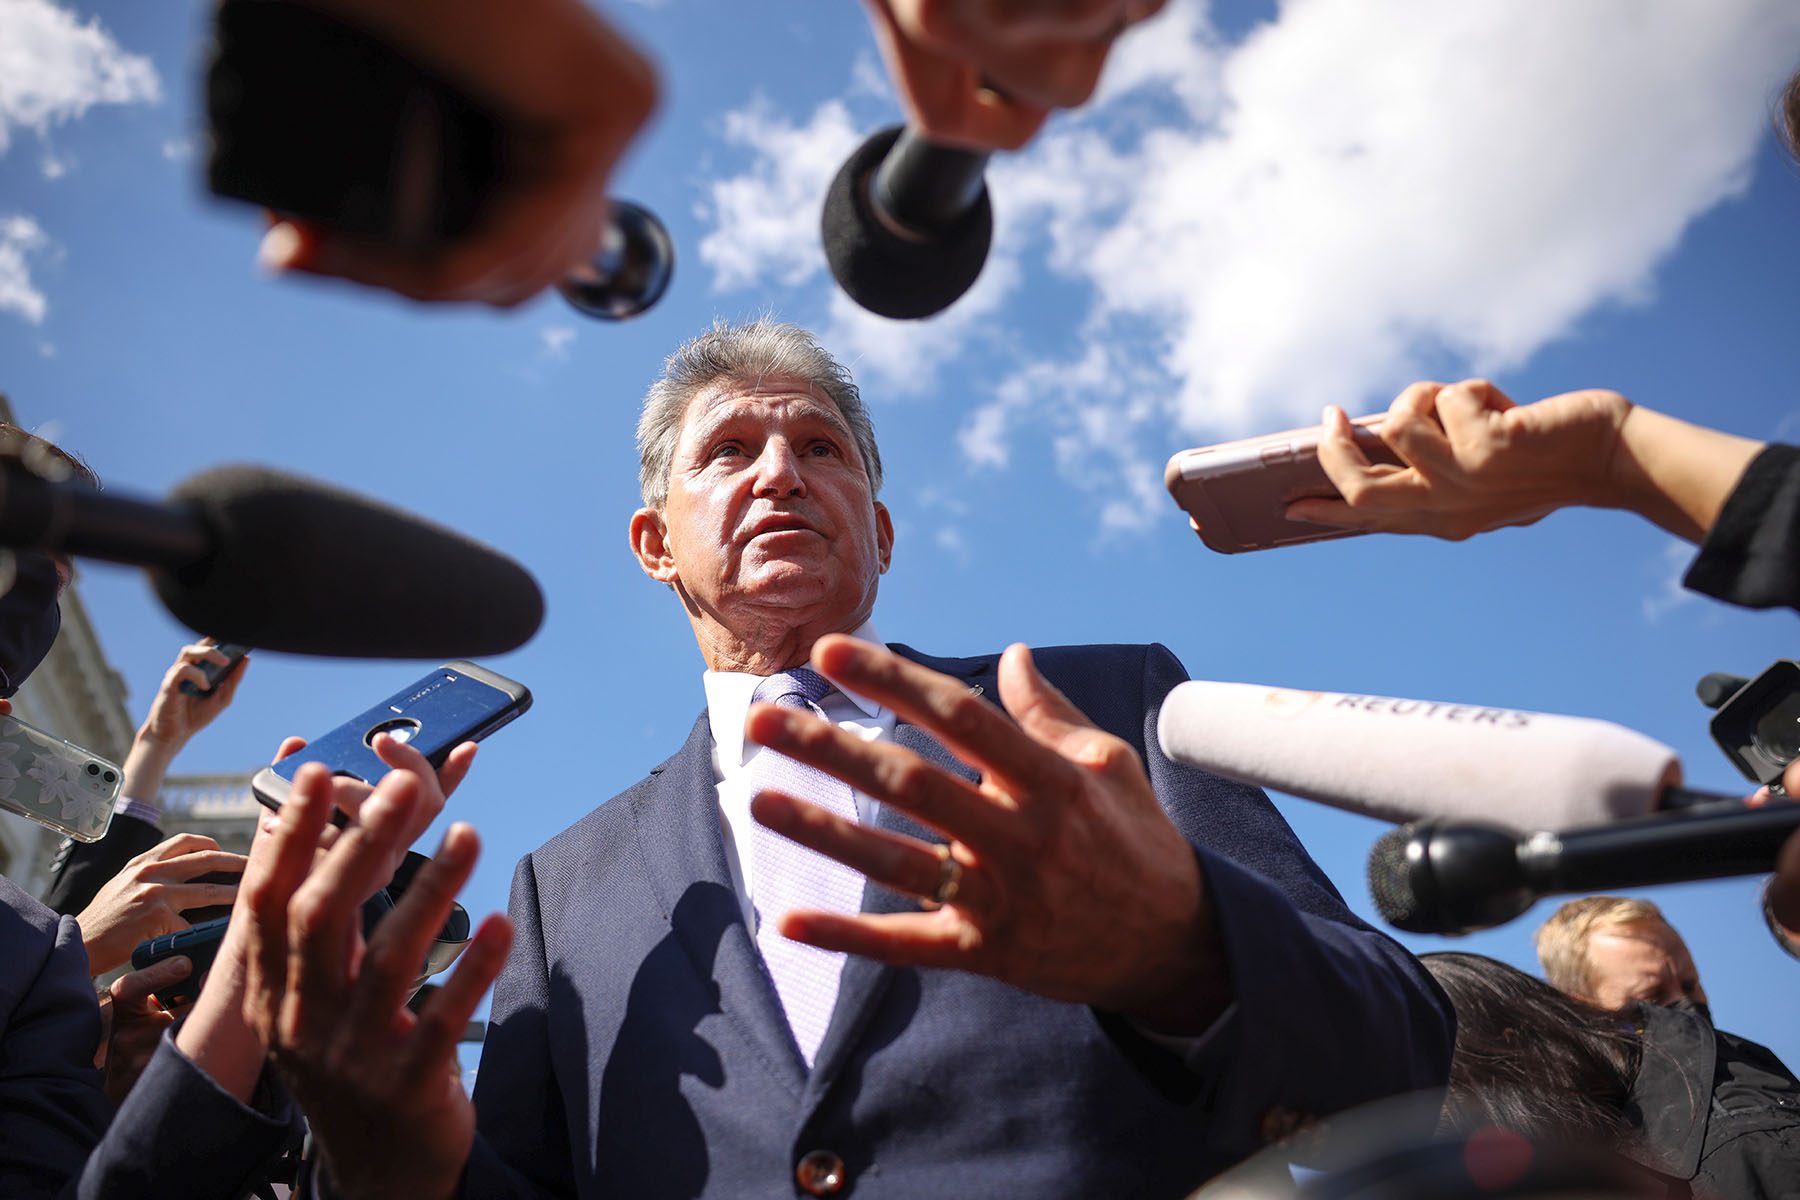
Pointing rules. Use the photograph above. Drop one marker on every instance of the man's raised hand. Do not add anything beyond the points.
(1073, 882)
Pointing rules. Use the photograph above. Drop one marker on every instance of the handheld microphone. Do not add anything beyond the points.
(907, 224)
(1400, 760)
(267, 559)
(1457, 877)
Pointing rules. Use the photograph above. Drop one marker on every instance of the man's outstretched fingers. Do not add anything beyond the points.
(971, 728)
(934, 939)
(901, 864)
(891, 774)
(275, 873)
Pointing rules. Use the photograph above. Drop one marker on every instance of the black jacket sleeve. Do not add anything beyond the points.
(1752, 556)
(82, 868)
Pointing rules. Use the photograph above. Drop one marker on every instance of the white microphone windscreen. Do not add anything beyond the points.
(1404, 760)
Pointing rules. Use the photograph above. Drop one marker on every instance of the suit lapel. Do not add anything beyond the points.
(677, 816)
(864, 980)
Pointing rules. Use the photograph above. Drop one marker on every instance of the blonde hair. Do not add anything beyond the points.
(1562, 941)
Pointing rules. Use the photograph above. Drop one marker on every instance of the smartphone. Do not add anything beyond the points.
(214, 672)
(458, 702)
(55, 782)
(310, 116)
(1236, 494)
(200, 942)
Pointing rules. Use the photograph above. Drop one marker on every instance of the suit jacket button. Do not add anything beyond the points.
(820, 1173)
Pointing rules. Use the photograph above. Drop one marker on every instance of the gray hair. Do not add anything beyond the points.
(763, 349)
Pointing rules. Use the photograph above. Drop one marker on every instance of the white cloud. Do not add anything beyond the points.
(1667, 594)
(178, 149)
(1357, 193)
(54, 67)
(21, 240)
(1391, 180)
(766, 221)
(557, 339)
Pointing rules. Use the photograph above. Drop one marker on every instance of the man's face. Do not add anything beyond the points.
(1643, 961)
(769, 515)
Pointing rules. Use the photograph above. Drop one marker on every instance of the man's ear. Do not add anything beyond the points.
(650, 542)
(884, 535)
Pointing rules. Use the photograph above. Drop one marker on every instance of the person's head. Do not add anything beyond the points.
(1613, 951)
(759, 473)
(1532, 1059)
(1787, 115)
(30, 616)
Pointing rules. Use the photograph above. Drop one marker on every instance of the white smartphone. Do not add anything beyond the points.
(55, 782)
(1236, 493)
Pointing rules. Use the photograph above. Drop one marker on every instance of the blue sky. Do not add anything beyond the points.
(1270, 208)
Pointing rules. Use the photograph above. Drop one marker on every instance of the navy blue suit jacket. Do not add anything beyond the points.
(177, 1134)
(637, 1047)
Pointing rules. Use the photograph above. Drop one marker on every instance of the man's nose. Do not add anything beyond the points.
(778, 470)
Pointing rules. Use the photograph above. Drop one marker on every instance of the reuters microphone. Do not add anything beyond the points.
(1401, 760)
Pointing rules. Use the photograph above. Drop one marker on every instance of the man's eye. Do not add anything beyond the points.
(728, 450)
(821, 450)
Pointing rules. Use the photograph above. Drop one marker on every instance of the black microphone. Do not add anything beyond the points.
(907, 224)
(1460, 876)
(271, 560)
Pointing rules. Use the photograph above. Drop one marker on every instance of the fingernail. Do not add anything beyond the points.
(279, 246)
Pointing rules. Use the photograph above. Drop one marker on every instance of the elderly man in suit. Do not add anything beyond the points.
(885, 925)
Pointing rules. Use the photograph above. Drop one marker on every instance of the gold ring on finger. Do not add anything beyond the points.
(949, 882)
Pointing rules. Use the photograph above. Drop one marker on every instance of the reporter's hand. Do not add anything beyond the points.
(570, 94)
(389, 1115)
(1474, 459)
(147, 897)
(132, 1023)
(986, 73)
(175, 716)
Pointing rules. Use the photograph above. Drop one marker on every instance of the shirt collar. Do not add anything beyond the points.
(728, 695)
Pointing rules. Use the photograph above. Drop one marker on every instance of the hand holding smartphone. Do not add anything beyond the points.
(1236, 493)
(456, 703)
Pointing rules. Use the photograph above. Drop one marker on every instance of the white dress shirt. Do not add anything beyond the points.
(728, 695)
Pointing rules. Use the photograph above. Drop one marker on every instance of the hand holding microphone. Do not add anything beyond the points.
(985, 73)
(452, 150)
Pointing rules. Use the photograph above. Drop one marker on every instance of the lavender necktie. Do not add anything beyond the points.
(788, 876)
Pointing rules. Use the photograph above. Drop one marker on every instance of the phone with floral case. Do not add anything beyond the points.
(55, 782)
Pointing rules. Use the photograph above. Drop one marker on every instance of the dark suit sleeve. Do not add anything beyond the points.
(179, 1134)
(1329, 1013)
(82, 868)
(52, 1108)
(521, 1144)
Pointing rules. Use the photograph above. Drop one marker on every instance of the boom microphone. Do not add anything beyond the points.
(1457, 877)
(907, 224)
(1399, 760)
(271, 560)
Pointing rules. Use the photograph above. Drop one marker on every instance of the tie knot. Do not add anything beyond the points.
(801, 687)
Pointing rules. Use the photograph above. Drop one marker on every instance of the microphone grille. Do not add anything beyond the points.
(1390, 881)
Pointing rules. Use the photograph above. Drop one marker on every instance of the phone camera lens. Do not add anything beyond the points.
(109, 776)
(93, 768)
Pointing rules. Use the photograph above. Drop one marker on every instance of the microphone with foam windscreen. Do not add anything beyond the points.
(1461, 876)
(907, 224)
(271, 560)
(1400, 760)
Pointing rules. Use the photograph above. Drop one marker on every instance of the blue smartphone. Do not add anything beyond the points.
(458, 702)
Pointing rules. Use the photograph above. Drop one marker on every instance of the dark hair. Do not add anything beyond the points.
(1787, 116)
(44, 458)
(1532, 1059)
